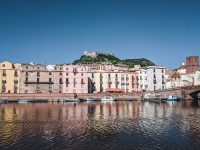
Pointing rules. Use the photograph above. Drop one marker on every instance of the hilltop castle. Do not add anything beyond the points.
(94, 54)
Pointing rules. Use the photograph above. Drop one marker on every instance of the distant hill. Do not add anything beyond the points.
(143, 62)
(114, 60)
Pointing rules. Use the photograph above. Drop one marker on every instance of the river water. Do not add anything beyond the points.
(97, 125)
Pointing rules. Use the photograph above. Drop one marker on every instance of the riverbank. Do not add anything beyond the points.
(181, 92)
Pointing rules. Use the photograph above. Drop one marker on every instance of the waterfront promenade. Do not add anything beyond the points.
(182, 92)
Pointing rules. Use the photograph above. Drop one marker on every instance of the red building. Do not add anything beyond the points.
(192, 64)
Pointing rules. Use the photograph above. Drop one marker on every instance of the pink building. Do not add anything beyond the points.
(75, 79)
(134, 81)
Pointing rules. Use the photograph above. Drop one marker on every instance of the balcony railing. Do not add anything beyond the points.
(35, 82)
(109, 82)
(117, 82)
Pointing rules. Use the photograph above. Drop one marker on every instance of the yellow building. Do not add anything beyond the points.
(9, 77)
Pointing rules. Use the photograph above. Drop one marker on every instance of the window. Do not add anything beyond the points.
(61, 73)
(26, 79)
(38, 74)
(49, 73)
(162, 71)
(38, 80)
(81, 74)
(60, 81)
(154, 88)
(67, 81)
(154, 70)
(49, 79)
(109, 75)
(74, 82)
(26, 73)
(67, 74)
(82, 82)
(26, 67)
(92, 75)
(66, 68)
(4, 65)
(154, 76)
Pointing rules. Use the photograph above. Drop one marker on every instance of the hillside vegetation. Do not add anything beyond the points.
(143, 62)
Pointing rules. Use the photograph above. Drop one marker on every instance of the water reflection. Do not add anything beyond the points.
(110, 125)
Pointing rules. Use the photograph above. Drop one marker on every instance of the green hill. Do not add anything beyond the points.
(114, 60)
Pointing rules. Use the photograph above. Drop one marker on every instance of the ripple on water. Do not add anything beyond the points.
(117, 125)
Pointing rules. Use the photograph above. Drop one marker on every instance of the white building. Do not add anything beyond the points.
(143, 82)
(197, 78)
(155, 78)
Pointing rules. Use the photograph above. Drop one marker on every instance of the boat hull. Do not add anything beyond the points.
(173, 99)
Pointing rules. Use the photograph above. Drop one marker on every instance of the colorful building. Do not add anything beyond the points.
(9, 77)
(40, 79)
(75, 79)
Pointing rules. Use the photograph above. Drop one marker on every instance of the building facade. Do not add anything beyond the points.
(155, 78)
(9, 77)
(38, 79)
(75, 79)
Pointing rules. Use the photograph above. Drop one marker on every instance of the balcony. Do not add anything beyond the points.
(154, 81)
(116, 82)
(109, 82)
(3, 87)
(16, 75)
(35, 82)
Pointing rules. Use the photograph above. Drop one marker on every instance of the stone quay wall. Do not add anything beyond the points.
(183, 92)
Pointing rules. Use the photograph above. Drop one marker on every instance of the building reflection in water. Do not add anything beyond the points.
(71, 120)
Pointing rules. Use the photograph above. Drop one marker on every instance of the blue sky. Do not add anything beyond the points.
(58, 31)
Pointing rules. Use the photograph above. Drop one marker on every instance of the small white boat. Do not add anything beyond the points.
(108, 98)
(173, 98)
(23, 101)
(90, 99)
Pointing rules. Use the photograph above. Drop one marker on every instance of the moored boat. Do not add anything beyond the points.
(173, 98)
(23, 101)
(108, 98)
(90, 99)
